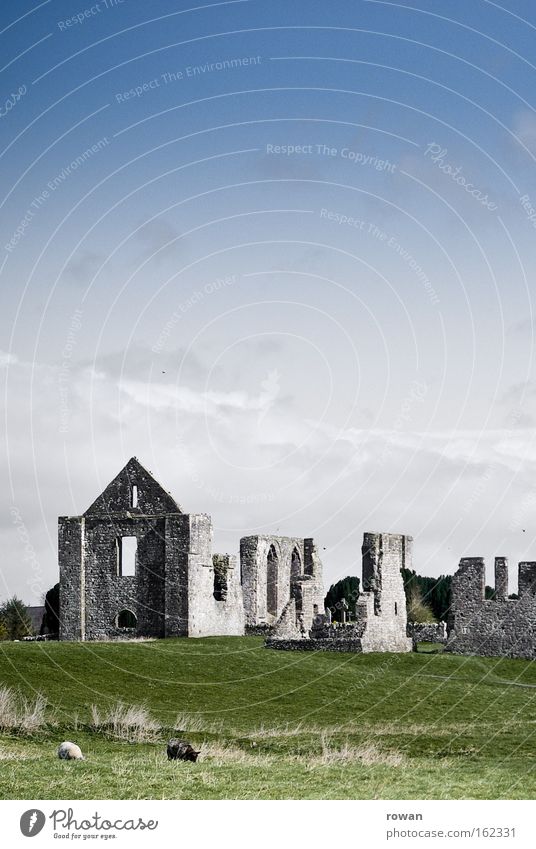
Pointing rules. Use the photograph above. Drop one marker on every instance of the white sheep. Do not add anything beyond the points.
(70, 752)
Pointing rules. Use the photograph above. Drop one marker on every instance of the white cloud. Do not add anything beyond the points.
(248, 458)
(7, 359)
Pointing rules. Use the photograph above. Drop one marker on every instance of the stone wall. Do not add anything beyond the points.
(117, 497)
(216, 605)
(107, 592)
(287, 626)
(381, 621)
(173, 590)
(269, 566)
(382, 607)
(339, 645)
(72, 577)
(498, 627)
(427, 632)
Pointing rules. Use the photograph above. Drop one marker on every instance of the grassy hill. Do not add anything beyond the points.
(270, 724)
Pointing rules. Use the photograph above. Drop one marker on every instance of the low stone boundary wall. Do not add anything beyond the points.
(342, 645)
(427, 632)
(258, 630)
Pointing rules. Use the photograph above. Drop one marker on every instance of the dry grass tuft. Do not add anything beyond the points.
(368, 754)
(192, 723)
(20, 714)
(8, 754)
(131, 723)
(225, 753)
(288, 730)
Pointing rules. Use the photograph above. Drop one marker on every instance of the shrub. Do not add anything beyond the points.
(132, 723)
(19, 714)
(417, 610)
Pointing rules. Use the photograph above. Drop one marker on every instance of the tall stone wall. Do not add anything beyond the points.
(498, 627)
(72, 577)
(269, 566)
(382, 607)
(208, 615)
(176, 597)
(172, 591)
(107, 592)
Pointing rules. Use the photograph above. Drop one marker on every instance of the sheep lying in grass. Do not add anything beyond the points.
(180, 750)
(70, 752)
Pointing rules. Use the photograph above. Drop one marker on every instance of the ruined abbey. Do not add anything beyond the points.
(136, 565)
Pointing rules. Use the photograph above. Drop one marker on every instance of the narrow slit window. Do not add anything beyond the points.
(134, 496)
(128, 547)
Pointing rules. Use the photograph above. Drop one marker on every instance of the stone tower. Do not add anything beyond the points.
(381, 608)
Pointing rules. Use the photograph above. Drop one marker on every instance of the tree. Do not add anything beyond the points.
(15, 619)
(347, 588)
(3, 631)
(51, 617)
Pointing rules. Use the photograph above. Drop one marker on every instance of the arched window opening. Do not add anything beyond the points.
(396, 609)
(295, 565)
(134, 496)
(272, 569)
(126, 619)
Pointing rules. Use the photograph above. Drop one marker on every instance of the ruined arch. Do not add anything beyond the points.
(272, 577)
(126, 619)
(295, 565)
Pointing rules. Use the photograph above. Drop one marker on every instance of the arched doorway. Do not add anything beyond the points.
(126, 619)
(272, 569)
(295, 565)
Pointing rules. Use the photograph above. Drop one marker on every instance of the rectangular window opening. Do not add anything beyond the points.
(134, 496)
(128, 547)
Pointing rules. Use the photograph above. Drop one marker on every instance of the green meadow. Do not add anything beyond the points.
(270, 724)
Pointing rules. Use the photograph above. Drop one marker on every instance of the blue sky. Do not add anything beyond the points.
(281, 252)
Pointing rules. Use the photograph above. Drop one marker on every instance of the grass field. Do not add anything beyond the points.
(270, 724)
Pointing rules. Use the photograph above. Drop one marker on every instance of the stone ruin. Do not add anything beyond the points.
(281, 582)
(427, 632)
(497, 627)
(136, 565)
(380, 611)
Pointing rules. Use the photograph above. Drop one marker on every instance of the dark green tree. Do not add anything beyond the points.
(15, 619)
(51, 617)
(347, 588)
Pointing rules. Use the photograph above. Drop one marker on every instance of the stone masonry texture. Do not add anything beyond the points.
(275, 570)
(173, 589)
(380, 615)
(498, 627)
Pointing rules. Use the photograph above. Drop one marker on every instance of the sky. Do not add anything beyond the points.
(284, 254)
